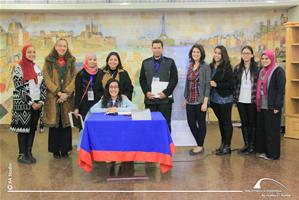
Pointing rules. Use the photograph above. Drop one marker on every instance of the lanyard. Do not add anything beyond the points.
(91, 81)
(157, 64)
(246, 73)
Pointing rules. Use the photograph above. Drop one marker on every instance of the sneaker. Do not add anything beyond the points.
(264, 156)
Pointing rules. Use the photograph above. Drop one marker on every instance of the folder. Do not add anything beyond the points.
(76, 122)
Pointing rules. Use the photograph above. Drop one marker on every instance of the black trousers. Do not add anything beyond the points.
(60, 140)
(223, 113)
(197, 122)
(165, 109)
(268, 133)
(25, 140)
(247, 112)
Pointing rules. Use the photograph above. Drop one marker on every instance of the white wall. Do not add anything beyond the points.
(293, 14)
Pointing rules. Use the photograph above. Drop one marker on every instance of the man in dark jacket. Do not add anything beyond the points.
(159, 69)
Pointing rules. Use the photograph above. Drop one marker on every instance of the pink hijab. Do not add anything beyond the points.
(264, 76)
(90, 70)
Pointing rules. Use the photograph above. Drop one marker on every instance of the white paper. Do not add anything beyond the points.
(34, 90)
(141, 114)
(157, 87)
(124, 113)
(90, 95)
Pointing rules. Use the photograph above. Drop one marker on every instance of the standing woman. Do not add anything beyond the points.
(88, 85)
(197, 92)
(115, 70)
(269, 101)
(222, 96)
(59, 74)
(28, 98)
(245, 77)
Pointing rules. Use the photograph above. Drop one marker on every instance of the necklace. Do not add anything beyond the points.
(263, 75)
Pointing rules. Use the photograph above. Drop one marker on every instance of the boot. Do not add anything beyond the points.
(30, 156)
(23, 158)
(22, 141)
(30, 143)
(220, 147)
(246, 140)
(65, 155)
(252, 141)
(225, 150)
(57, 155)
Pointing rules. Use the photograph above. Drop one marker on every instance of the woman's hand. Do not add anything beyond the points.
(213, 83)
(76, 112)
(184, 103)
(62, 97)
(36, 106)
(112, 110)
(204, 107)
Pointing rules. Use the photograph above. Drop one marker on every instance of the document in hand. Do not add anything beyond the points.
(157, 87)
(76, 122)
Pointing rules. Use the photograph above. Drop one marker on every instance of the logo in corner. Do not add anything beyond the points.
(280, 191)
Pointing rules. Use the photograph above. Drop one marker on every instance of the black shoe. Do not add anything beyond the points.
(65, 155)
(250, 150)
(220, 147)
(226, 150)
(56, 155)
(244, 149)
(192, 153)
(22, 158)
(31, 158)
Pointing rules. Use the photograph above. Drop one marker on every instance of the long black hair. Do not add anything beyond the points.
(106, 97)
(202, 54)
(225, 61)
(113, 53)
(253, 64)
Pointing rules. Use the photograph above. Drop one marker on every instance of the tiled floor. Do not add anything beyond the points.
(201, 177)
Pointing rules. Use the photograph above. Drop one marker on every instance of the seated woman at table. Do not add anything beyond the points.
(113, 101)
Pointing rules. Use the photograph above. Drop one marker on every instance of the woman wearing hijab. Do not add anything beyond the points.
(269, 101)
(28, 98)
(88, 85)
(59, 74)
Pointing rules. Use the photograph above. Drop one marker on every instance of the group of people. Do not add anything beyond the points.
(48, 95)
(258, 92)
